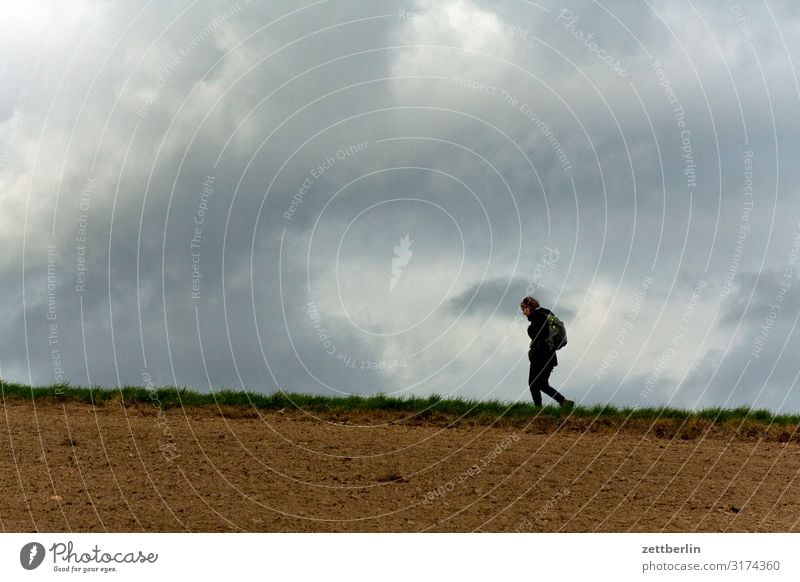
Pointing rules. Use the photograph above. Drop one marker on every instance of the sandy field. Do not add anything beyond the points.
(74, 467)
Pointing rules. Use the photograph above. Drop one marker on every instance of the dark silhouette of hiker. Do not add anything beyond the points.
(542, 357)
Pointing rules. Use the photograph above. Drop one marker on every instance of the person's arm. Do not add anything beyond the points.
(536, 330)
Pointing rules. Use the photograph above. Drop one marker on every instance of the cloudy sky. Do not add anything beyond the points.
(353, 197)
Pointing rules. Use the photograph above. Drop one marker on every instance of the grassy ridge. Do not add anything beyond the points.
(422, 407)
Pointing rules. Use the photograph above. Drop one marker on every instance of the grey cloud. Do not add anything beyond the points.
(753, 296)
(501, 297)
(149, 137)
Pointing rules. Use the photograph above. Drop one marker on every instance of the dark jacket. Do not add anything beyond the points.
(539, 353)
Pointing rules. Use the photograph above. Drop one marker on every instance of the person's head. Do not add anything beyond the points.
(528, 305)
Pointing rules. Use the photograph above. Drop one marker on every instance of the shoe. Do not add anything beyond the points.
(567, 404)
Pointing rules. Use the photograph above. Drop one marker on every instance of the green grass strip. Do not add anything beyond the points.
(172, 397)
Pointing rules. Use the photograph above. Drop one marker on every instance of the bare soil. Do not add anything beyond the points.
(75, 467)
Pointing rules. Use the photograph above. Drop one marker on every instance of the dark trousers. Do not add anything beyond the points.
(538, 382)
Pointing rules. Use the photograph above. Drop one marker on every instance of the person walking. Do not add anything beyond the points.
(541, 356)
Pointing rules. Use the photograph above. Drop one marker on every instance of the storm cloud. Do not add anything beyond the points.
(353, 197)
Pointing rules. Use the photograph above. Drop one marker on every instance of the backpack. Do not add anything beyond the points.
(556, 332)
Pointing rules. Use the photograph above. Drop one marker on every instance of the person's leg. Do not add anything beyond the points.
(541, 384)
(532, 384)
